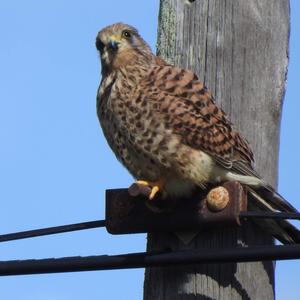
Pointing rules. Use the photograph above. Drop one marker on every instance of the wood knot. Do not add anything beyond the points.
(189, 2)
(217, 199)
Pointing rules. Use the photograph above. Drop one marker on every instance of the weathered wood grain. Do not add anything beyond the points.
(240, 50)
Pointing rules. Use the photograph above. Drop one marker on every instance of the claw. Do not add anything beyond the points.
(143, 182)
(155, 186)
(154, 191)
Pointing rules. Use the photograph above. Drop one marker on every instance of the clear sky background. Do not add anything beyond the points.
(54, 162)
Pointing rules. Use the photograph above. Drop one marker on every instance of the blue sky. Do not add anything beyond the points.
(55, 164)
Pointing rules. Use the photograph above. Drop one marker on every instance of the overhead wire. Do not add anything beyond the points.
(146, 259)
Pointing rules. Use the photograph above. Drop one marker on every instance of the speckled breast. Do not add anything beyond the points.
(129, 128)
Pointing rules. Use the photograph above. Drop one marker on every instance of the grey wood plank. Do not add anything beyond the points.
(240, 50)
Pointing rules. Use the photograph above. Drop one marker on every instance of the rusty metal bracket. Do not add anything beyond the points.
(128, 214)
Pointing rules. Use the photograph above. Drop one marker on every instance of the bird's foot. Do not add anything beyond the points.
(156, 187)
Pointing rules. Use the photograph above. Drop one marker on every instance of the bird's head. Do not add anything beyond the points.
(120, 45)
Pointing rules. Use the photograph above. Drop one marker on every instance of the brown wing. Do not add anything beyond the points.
(188, 108)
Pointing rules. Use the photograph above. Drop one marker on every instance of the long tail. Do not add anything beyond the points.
(264, 198)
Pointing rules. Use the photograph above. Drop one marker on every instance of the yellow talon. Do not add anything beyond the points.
(154, 191)
(156, 186)
(143, 182)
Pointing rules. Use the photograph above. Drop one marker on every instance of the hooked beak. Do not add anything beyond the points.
(113, 44)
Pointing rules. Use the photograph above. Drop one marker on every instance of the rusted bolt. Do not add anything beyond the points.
(217, 199)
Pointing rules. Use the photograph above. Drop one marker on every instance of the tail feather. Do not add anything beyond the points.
(266, 199)
(275, 199)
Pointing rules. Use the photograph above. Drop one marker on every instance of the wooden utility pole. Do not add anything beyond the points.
(240, 50)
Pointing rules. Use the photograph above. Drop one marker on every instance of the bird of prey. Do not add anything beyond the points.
(163, 124)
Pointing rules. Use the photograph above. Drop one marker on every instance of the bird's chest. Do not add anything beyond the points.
(123, 112)
(116, 113)
(109, 110)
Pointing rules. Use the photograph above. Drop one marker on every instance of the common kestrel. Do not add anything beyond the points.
(162, 123)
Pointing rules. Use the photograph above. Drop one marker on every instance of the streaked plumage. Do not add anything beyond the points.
(164, 126)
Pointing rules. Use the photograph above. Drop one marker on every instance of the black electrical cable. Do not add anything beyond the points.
(269, 215)
(51, 230)
(142, 260)
(101, 223)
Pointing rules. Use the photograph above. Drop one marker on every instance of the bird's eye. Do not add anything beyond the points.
(99, 45)
(126, 34)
